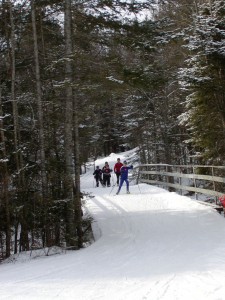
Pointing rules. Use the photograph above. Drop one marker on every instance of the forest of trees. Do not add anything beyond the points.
(81, 79)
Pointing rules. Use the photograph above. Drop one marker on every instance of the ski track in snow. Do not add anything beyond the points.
(152, 245)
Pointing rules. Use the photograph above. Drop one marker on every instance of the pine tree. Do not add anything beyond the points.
(204, 80)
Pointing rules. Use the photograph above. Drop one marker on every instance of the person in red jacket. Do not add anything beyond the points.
(117, 168)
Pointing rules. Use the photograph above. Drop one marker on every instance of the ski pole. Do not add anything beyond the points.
(112, 189)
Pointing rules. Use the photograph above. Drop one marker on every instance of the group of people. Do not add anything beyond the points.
(105, 171)
(121, 171)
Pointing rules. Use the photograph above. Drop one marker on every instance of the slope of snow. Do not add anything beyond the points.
(150, 244)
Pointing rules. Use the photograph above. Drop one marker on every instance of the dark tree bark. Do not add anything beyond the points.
(68, 128)
(5, 182)
(39, 104)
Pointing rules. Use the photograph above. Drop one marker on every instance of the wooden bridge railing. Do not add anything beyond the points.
(194, 179)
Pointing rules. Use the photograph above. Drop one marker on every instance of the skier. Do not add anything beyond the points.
(98, 176)
(117, 168)
(124, 176)
(106, 174)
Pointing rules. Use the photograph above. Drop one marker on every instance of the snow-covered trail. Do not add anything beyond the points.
(166, 245)
(149, 245)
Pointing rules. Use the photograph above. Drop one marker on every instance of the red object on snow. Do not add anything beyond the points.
(222, 200)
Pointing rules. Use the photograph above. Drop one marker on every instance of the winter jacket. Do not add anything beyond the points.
(97, 173)
(222, 200)
(106, 171)
(124, 172)
(117, 167)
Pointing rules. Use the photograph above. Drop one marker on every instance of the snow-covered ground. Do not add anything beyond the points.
(150, 244)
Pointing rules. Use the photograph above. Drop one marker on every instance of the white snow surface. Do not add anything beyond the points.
(150, 244)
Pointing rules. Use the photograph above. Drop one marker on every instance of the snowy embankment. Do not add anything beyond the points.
(149, 245)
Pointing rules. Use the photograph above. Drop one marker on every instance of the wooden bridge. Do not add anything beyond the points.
(187, 180)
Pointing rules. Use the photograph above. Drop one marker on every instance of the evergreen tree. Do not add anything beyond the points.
(203, 79)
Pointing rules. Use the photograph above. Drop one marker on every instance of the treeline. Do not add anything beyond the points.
(81, 79)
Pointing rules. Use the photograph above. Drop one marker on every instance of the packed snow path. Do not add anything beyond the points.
(149, 245)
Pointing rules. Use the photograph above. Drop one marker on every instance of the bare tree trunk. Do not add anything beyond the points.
(68, 127)
(5, 181)
(13, 77)
(44, 188)
(78, 209)
(16, 130)
(39, 104)
(14, 103)
(16, 225)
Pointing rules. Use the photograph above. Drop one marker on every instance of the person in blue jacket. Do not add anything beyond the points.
(124, 176)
